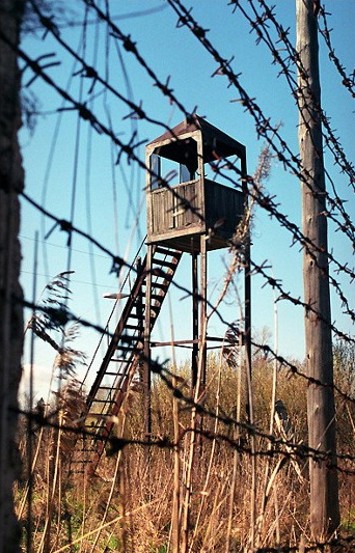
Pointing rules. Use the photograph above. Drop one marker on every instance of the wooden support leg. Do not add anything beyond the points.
(203, 313)
(247, 298)
(195, 304)
(147, 349)
(202, 346)
(140, 314)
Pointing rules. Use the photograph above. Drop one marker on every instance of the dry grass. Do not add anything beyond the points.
(129, 504)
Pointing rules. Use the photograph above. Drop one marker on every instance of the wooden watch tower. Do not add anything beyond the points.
(196, 196)
(193, 207)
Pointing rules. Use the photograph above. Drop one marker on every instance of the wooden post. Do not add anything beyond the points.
(248, 361)
(11, 315)
(324, 502)
(140, 324)
(146, 347)
(195, 304)
(247, 296)
(203, 312)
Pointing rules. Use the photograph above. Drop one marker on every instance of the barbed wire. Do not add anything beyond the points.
(264, 200)
(279, 445)
(263, 125)
(275, 445)
(90, 72)
(267, 202)
(294, 57)
(348, 81)
(292, 61)
(65, 316)
(264, 128)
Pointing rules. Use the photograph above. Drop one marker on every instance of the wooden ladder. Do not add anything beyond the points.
(124, 354)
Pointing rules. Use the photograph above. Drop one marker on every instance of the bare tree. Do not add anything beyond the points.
(11, 322)
(324, 508)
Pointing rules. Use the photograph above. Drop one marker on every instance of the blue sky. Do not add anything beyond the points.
(109, 199)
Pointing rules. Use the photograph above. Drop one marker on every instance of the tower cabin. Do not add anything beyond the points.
(194, 186)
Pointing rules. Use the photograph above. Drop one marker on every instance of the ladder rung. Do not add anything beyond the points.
(114, 374)
(160, 273)
(163, 283)
(157, 297)
(125, 348)
(134, 316)
(164, 250)
(165, 263)
(103, 401)
(162, 286)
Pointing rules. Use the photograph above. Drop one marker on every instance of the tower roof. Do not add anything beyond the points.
(214, 140)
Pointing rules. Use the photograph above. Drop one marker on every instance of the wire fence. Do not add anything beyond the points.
(207, 433)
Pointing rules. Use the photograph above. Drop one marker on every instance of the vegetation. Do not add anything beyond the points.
(225, 468)
(128, 503)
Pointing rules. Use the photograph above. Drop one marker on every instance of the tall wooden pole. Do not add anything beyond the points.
(324, 503)
(11, 322)
(247, 296)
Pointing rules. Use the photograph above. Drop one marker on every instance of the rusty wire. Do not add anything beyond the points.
(292, 60)
(265, 201)
(347, 80)
(281, 150)
(263, 127)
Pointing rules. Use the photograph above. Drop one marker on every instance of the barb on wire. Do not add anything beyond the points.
(347, 80)
(37, 64)
(287, 68)
(86, 114)
(262, 124)
(291, 449)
